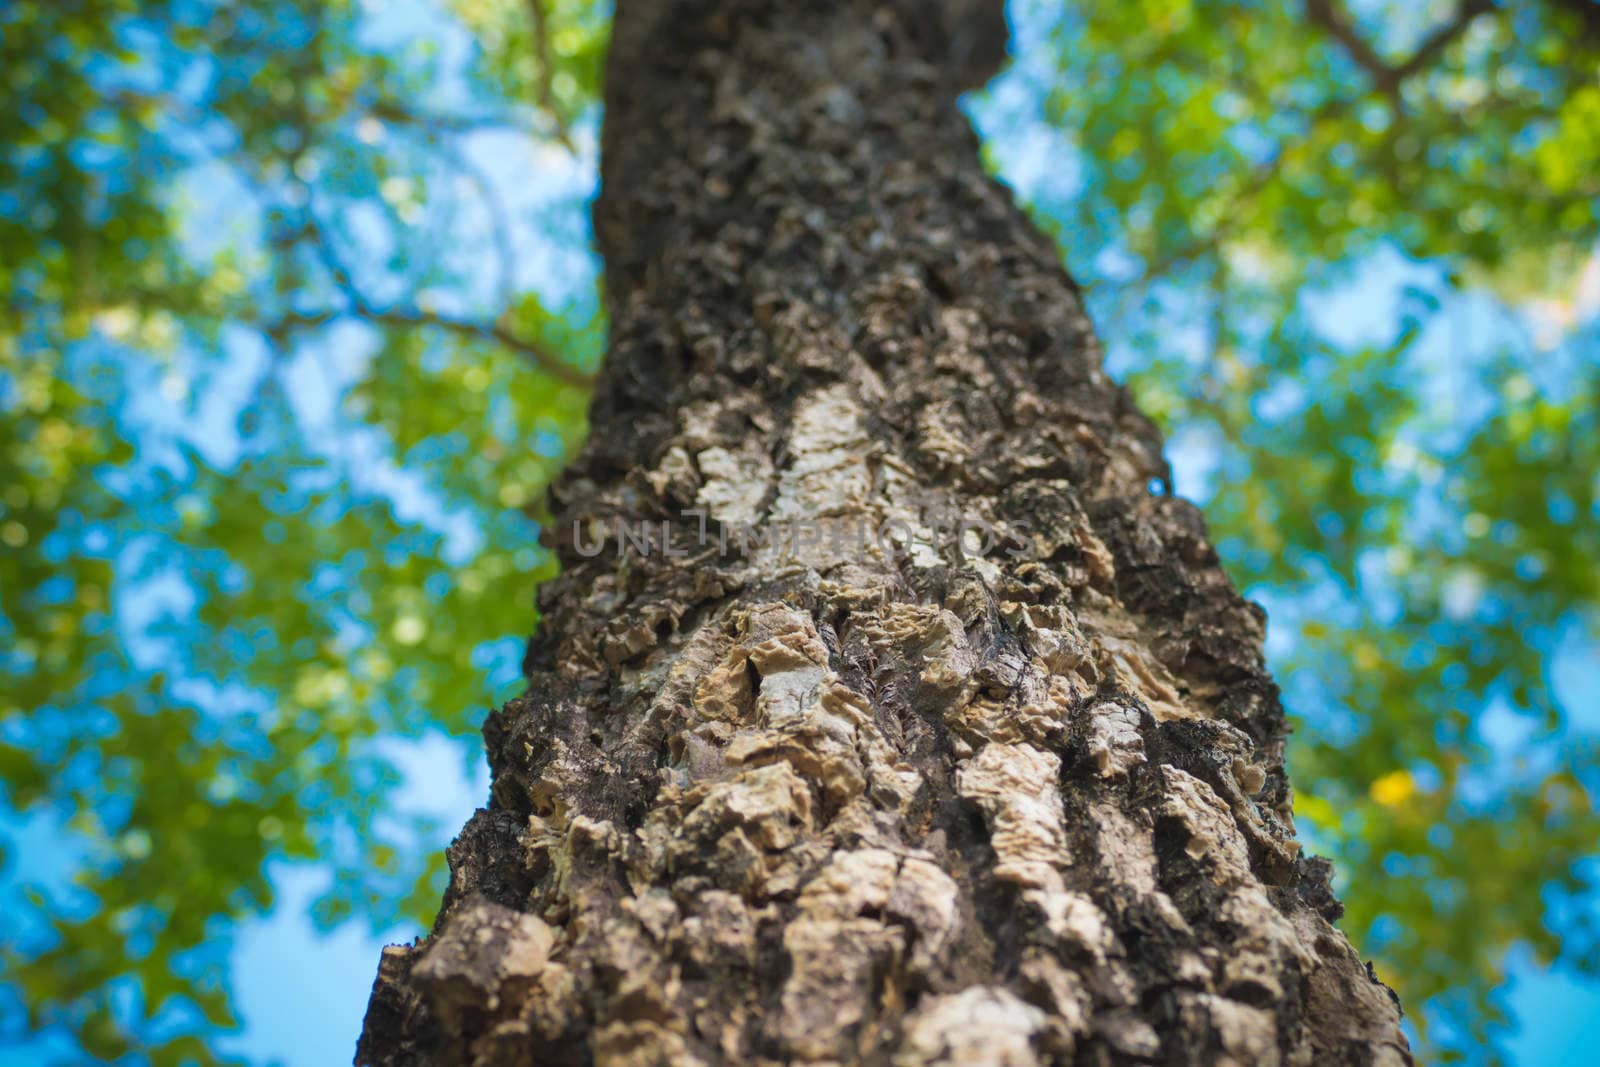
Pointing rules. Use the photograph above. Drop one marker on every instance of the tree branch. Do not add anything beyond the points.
(1330, 16)
(1441, 38)
(362, 308)
(1386, 78)
(307, 227)
(497, 331)
(547, 72)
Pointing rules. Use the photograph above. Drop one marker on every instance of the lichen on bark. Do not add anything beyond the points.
(845, 799)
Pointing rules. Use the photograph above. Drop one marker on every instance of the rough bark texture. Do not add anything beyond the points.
(837, 803)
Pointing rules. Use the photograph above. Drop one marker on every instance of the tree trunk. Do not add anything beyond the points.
(868, 790)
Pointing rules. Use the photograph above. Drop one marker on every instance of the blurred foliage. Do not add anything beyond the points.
(1346, 253)
(268, 427)
(301, 317)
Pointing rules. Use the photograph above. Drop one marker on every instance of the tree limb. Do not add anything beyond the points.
(1387, 78)
(498, 331)
(547, 72)
(1441, 38)
(362, 308)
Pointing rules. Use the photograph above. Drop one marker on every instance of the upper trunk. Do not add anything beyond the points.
(856, 794)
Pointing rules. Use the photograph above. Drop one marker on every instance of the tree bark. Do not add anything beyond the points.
(855, 794)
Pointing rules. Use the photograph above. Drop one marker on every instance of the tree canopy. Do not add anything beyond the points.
(302, 314)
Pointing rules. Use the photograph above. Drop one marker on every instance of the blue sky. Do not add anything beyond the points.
(295, 1021)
